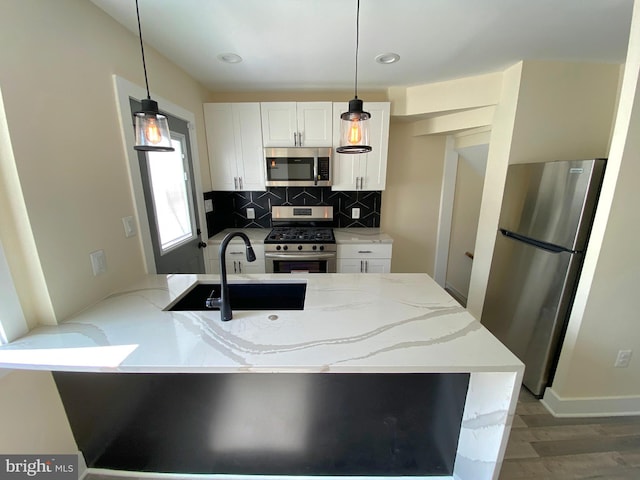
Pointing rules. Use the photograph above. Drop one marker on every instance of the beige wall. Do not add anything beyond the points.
(315, 96)
(549, 111)
(32, 416)
(605, 317)
(57, 61)
(411, 200)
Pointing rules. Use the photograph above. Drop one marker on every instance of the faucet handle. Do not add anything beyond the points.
(213, 302)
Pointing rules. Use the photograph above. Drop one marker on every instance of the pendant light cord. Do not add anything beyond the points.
(357, 44)
(144, 64)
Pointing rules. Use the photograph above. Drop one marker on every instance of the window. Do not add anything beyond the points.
(172, 196)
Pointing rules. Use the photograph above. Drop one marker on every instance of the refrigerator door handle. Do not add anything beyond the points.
(549, 247)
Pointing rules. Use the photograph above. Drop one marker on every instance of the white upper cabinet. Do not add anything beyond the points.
(234, 142)
(365, 171)
(297, 124)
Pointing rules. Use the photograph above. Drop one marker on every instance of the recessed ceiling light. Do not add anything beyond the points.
(386, 58)
(229, 58)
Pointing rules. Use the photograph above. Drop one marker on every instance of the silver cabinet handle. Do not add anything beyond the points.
(299, 139)
(240, 182)
(236, 253)
(239, 267)
(366, 266)
(361, 266)
(295, 139)
(365, 251)
(235, 183)
(235, 270)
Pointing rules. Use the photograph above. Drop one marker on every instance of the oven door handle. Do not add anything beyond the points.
(297, 256)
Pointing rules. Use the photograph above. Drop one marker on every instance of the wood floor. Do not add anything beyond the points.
(544, 447)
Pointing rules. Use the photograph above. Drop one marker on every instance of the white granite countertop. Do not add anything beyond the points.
(343, 235)
(350, 323)
(361, 235)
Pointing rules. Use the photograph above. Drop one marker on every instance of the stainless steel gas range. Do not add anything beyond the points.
(301, 240)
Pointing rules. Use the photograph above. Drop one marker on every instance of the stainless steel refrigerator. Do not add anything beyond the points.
(544, 226)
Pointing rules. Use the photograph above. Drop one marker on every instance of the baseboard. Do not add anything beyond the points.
(590, 406)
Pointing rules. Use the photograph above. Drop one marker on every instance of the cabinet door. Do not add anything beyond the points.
(315, 124)
(346, 168)
(377, 265)
(349, 265)
(373, 165)
(367, 171)
(279, 123)
(221, 145)
(248, 144)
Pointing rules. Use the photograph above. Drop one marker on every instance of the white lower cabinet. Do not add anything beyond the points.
(364, 258)
(236, 259)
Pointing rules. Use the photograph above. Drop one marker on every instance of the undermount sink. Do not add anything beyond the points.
(246, 296)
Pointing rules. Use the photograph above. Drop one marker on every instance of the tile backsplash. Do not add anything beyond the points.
(230, 208)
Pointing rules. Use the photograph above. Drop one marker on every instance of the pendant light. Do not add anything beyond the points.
(354, 124)
(151, 127)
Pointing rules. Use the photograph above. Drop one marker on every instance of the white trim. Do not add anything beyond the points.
(12, 322)
(445, 216)
(82, 466)
(124, 90)
(590, 406)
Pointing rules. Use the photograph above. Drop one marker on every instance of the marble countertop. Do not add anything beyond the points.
(350, 323)
(343, 235)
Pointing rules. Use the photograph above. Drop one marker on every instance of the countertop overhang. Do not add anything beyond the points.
(352, 323)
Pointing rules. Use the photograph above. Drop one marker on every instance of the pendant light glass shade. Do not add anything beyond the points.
(354, 129)
(151, 127)
(354, 124)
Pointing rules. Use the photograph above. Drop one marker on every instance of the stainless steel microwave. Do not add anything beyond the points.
(298, 167)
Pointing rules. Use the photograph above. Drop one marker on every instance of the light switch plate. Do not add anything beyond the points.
(208, 205)
(355, 213)
(251, 213)
(98, 262)
(129, 226)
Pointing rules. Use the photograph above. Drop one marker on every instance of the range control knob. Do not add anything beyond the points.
(285, 248)
(278, 247)
(299, 247)
(315, 247)
(321, 247)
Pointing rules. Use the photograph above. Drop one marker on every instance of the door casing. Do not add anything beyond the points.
(124, 90)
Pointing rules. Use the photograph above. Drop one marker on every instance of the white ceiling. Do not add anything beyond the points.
(310, 44)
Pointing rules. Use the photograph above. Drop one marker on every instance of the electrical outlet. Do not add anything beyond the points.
(251, 213)
(98, 262)
(355, 213)
(623, 358)
(208, 205)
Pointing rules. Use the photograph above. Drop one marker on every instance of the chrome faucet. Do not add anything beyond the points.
(222, 302)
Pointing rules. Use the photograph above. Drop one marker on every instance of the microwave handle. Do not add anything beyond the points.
(315, 169)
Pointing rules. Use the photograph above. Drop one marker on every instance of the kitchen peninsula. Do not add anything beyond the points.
(383, 333)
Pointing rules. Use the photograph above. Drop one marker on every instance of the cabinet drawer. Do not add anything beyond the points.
(368, 250)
